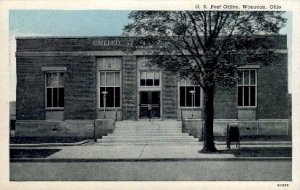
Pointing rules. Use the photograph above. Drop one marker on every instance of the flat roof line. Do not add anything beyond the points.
(121, 36)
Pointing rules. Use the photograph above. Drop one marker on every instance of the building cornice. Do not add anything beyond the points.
(97, 53)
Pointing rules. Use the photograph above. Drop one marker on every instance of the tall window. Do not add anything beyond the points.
(189, 95)
(149, 78)
(247, 88)
(55, 89)
(109, 88)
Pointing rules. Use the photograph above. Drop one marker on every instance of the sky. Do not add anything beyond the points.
(68, 23)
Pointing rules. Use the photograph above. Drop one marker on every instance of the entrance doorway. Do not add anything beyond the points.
(149, 105)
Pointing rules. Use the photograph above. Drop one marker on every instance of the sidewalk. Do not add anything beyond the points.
(160, 152)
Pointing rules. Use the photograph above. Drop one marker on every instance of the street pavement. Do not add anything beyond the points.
(97, 151)
(153, 162)
(209, 170)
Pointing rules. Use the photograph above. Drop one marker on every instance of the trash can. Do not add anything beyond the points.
(233, 134)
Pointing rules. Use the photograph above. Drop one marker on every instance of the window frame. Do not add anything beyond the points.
(52, 71)
(188, 84)
(105, 86)
(154, 71)
(247, 85)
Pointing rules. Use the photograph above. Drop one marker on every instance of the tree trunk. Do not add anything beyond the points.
(208, 116)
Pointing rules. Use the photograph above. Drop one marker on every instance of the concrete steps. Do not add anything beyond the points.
(148, 143)
(141, 140)
(148, 132)
(147, 138)
(148, 128)
(147, 135)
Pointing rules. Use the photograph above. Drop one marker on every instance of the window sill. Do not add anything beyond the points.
(247, 108)
(54, 109)
(55, 69)
(145, 86)
(110, 109)
(190, 108)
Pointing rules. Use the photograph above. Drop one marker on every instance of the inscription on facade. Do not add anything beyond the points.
(107, 43)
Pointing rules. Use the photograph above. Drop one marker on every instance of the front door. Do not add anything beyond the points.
(149, 104)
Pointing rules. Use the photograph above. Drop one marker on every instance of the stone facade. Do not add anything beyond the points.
(80, 87)
(272, 90)
(225, 103)
(169, 96)
(129, 95)
(79, 57)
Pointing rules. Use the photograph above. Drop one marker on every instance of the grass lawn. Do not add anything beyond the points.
(37, 140)
(258, 138)
(31, 153)
(260, 152)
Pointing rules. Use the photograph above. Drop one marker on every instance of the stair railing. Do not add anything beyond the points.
(181, 115)
(116, 115)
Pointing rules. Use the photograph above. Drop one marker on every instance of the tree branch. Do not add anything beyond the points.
(196, 31)
(236, 23)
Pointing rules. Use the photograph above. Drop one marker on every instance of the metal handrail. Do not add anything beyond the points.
(181, 115)
(116, 115)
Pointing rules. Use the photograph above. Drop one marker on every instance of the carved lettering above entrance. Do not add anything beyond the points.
(107, 43)
(119, 43)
